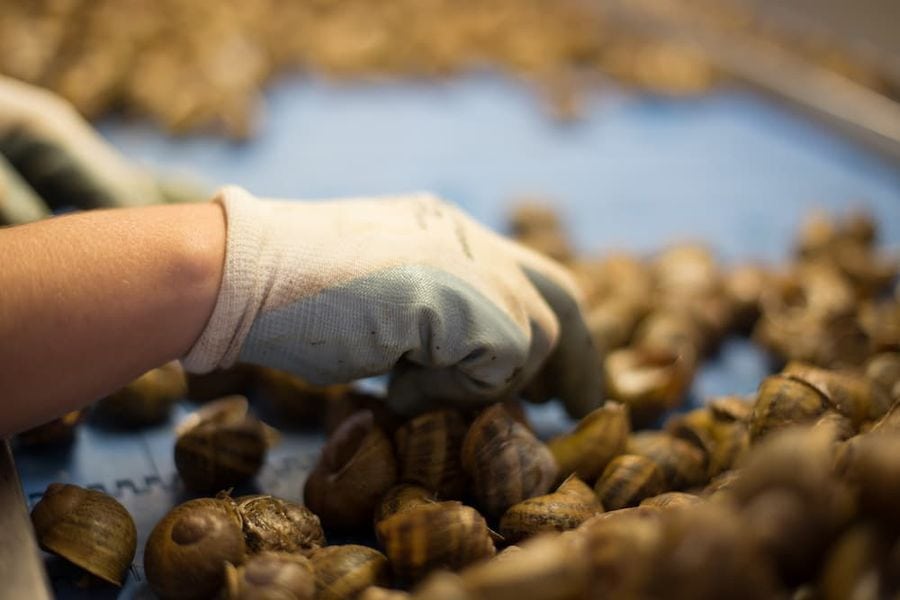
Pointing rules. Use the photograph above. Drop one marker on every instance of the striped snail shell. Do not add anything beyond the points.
(402, 497)
(627, 480)
(428, 452)
(783, 401)
(672, 500)
(271, 575)
(87, 528)
(344, 571)
(221, 445)
(851, 394)
(435, 535)
(356, 467)
(682, 464)
(186, 552)
(505, 461)
(568, 507)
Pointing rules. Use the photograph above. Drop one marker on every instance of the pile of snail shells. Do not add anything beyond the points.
(221, 445)
(187, 551)
(87, 528)
(147, 400)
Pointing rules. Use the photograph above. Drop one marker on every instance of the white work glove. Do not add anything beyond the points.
(340, 290)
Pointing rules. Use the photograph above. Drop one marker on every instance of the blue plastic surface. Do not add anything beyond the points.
(636, 173)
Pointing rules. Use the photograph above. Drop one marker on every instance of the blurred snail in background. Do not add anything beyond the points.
(147, 400)
(784, 401)
(272, 575)
(434, 535)
(356, 467)
(648, 381)
(342, 572)
(221, 445)
(506, 463)
(87, 528)
(186, 552)
(568, 507)
(681, 464)
(277, 525)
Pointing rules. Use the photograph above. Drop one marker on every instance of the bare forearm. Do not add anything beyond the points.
(90, 301)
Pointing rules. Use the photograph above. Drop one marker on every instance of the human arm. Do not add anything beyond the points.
(90, 301)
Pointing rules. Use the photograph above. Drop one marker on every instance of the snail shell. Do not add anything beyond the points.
(783, 401)
(569, 506)
(627, 480)
(271, 575)
(375, 592)
(731, 408)
(186, 552)
(344, 571)
(872, 465)
(671, 330)
(273, 524)
(219, 383)
(694, 427)
(884, 371)
(597, 438)
(850, 394)
(145, 401)
(672, 500)
(356, 467)
(428, 452)
(648, 381)
(856, 565)
(744, 286)
(436, 535)
(730, 441)
(220, 445)
(87, 528)
(612, 322)
(682, 464)
(505, 462)
(545, 568)
(402, 497)
(292, 398)
(58, 432)
(890, 422)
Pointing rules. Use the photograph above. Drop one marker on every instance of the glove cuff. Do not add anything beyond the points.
(242, 289)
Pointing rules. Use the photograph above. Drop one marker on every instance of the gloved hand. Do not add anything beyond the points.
(50, 157)
(340, 290)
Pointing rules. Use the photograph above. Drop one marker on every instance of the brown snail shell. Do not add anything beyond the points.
(884, 371)
(376, 592)
(402, 497)
(872, 465)
(627, 480)
(598, 437)
(648, 381)
(186, 552)
(731, 408)
(850, 394)
(783, 401)
(345, 571)
(58, 432)
(87, 528)
(236, 380)
(293, 399)
(356, 467)
(682, 464)
(694, 426)
(613, 321)
(221, 445)
(436, 535)
(345, 405)
(533, 215)
(145, 401)
(271, 575)
(505, 461)
(544, 568)
(275, 525)
(890, 422)
(569, 506)
(672, 500)
(621, 546)
(428, 452)
(744, 286)
(671, 330)
(841, 426)
(730, 441)
(856, 566)
(703, 553)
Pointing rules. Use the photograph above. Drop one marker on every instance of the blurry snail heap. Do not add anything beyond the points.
(202, 64)
(791, 491)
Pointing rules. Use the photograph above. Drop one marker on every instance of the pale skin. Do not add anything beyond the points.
(101, 297)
